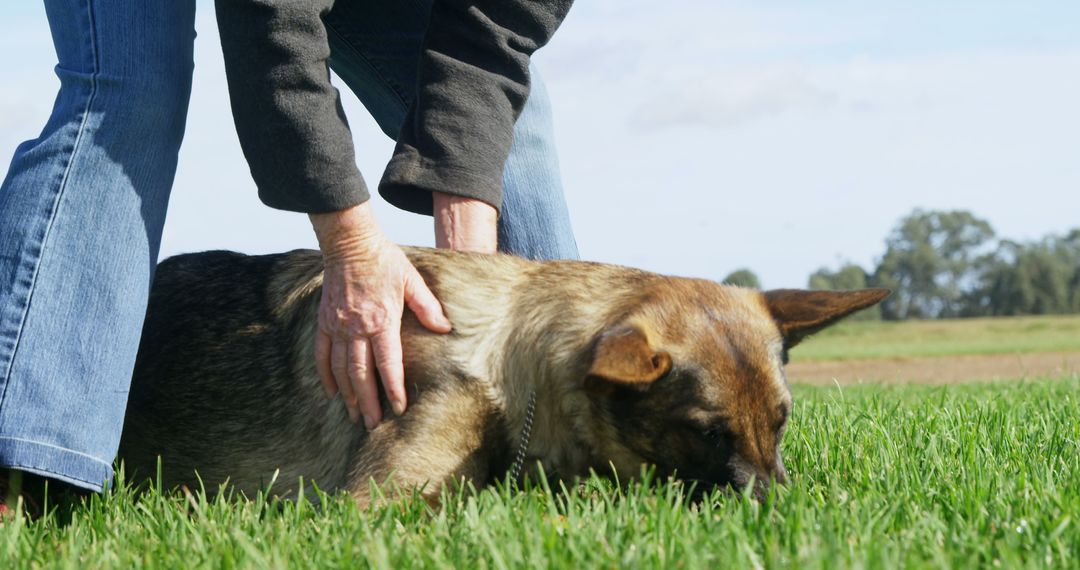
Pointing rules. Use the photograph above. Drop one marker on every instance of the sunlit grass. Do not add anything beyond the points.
(887, 477)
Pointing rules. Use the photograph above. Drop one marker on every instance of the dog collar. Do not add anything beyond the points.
(523, 443)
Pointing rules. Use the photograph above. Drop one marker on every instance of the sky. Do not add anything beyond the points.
(697, 137)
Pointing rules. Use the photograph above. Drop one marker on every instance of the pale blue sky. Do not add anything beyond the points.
(709, 135)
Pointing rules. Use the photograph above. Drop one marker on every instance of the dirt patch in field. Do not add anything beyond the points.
(941, 370)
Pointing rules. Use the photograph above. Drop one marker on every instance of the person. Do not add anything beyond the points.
(82, 205)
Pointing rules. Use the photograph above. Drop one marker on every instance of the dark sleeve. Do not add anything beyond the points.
(288, 116)
(473, 82)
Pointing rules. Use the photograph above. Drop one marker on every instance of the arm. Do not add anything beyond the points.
(298, 146)
(288, 116)
(473, 83)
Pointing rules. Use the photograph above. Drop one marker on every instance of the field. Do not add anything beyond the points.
(883, 476)
(926, 339)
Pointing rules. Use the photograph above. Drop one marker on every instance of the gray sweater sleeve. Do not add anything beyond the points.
(473, 83)
(288, 116)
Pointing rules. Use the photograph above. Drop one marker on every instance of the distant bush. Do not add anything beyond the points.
(743, 278)
(943, 264)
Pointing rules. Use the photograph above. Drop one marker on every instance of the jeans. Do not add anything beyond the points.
(83, 205)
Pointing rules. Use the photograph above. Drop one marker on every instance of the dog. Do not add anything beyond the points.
(567, 366)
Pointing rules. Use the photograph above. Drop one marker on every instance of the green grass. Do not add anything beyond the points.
(882, 477)
(1001, 335)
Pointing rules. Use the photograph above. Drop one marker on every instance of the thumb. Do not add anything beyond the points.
(423, 302)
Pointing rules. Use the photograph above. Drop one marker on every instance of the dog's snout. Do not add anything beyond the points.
(761, 477)
(780, 475)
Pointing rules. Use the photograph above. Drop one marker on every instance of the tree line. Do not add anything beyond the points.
(949, 264)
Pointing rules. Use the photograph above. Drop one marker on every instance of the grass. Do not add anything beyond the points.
(880, 339)
(882, 477)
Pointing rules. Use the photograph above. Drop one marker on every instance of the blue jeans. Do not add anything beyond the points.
(82, 209)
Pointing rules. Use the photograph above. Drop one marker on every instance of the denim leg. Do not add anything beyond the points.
(535, 222)
(375, 48)
(81, 213)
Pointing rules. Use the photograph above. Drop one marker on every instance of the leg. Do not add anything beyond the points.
(450, 435)
(81, 212)
(375, 48)
(535, 222)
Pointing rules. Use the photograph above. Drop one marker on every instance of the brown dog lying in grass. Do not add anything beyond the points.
(574, 366)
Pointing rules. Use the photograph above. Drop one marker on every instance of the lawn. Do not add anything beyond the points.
(878, 339)
(883, 477)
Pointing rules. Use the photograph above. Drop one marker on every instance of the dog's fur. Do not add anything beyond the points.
(629, 368)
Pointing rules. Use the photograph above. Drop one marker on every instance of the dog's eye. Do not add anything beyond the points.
(719, 434)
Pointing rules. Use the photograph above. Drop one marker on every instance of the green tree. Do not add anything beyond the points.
(932, 261)
(743, 278)
(849, 276)
(1069, 249)
(1039, 278)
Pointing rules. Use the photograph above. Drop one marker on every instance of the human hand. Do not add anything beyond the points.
(464, 224)
(367, 281)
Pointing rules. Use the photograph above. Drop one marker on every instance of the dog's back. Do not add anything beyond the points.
(222, 367)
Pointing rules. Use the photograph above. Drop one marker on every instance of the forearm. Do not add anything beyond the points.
(288, 116)
(464, 224)
(347, 233)
(473, 84)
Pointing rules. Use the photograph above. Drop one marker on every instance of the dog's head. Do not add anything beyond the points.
(692, 380)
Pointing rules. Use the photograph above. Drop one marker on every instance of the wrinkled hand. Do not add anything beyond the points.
(464, 224)
(367, 282)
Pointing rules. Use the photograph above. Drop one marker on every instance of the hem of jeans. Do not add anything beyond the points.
(41, 459)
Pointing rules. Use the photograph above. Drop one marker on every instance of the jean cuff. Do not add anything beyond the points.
(55, 462)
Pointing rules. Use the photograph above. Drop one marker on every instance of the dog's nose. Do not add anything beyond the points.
(781, 476)
(764, 481)
(757, 477)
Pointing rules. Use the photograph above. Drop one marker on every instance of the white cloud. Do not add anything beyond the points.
(723, 102)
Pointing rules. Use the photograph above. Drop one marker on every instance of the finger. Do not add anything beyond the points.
(423, 302)
(387, 349)
(362, 375)
(322, 363)
(338, 363)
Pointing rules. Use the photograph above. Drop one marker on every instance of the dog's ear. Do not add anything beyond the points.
(625, 358)
(802, 313)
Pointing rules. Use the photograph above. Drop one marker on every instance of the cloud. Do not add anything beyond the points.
(727, 102)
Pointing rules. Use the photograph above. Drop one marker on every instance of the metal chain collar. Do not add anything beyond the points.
(523, 443)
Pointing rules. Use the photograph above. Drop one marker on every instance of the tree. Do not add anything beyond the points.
(849, 276)
(743, 278)
(1039, 278)
(932, 261)
(1069, 249)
